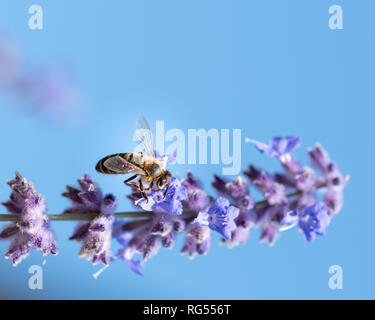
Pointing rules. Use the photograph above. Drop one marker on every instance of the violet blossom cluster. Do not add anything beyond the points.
(95, 236)
(299, 196)
(32, 229)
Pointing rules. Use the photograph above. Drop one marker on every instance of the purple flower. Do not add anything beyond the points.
(146, 237)
(271, 222)
(240, 235)
(306, 180)
(334, 199)
(333, 176)
(236, 189)
(273, 191)
(312, 220)
(191, 181)
(197, 241)
(162, 233)
(126, 253)
(219, 217)
(171, 203)
(246, 206)
(319, 157)
(292, 166)
(197, 199)
(270, 232)
(245, 221)
(32, 230)
(219, 184)
(279, 147)
(95, 236)
(333, 179)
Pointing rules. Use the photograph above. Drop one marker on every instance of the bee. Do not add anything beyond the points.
(142, 164)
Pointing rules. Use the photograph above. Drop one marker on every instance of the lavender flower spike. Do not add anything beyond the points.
(279, 147)
(96, 235)
(312, 220)
(219, 217)
(32, 230)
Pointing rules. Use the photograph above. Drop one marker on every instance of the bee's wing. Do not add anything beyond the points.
(143, 135)
(120, 165)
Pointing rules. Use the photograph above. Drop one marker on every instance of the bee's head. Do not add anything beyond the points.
(163, 179)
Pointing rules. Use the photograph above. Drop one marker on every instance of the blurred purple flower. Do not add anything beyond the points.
(95, 236)
(236, 189)
(332, 178)
(197, 199)
(292, 166)
(49, 90)
(10, 62)
(271, 223)
(279, 147)
(306, 180)
(305, 183)
(334, 199)
(319, 157)
(32, 230)
(240, 235)
(272, 191)
(270, 232)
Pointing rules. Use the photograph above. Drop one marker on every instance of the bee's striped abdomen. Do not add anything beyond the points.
(103, 169)
(134, 158)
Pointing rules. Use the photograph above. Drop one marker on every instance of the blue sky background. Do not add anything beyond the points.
(267, 67)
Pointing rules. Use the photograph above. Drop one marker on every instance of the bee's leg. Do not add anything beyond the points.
(130, 179)
(166, 190)
(142, 190)
(150, 186)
